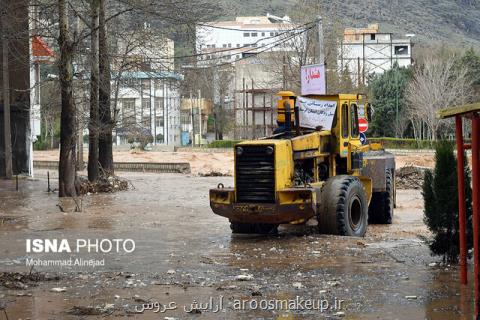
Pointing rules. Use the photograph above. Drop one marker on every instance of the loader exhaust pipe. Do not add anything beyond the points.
(288, 118)
(297, 120)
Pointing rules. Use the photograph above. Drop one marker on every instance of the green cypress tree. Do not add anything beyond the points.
(440, 194)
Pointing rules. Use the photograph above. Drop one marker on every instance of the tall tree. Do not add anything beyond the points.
(93, 126)
(105, 152)
(437, 83)
(66, 167)
(6, 93)
(387, 94)
(440, 194)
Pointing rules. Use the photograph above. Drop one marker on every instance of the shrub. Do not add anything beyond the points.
(440, 196)
(223, 143)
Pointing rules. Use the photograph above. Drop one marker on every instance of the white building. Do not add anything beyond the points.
(144, 49)
(227, 41)
(148, 98)
(366, 51)
(149, 102)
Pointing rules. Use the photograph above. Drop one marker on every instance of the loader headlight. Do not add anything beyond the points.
(239, 151)
(269, 151)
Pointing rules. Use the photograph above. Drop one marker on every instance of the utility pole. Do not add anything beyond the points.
(6, 99)
(193, 118)
(321, 49)
(321, 52)
(200, 117)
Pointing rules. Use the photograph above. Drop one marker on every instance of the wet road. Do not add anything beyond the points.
(183, 253)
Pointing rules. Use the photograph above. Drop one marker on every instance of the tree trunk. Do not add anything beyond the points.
(6, 101)
(93, 126)
(66, 167)
(105, 142)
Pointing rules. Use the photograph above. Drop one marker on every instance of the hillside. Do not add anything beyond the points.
(450, 21)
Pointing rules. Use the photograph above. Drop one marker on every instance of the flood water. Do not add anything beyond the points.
(185, 254)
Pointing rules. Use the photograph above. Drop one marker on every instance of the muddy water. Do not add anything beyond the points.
(184, 253)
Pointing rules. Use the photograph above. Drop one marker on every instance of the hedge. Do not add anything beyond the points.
(223, 143)
(397, 143)
(387, 142)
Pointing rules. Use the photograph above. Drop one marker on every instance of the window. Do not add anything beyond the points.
(145, 105)
(401, 50)
(263, 34)
(146, 121)
(372, 36)
(238, 45)
(229, 45)
(159, 121)
(246, 34)
(254, 44)
(158, 104)
(146, 84)
(128, 112)
(272, 34)
(254, 34)
(345, 120)
(354, 119)
(224, 45)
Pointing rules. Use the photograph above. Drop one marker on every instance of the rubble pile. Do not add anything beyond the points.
(409, 177)
(104, 184)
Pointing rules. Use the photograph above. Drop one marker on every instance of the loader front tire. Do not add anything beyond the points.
(344, 209)
(382, 203)
(253, 228)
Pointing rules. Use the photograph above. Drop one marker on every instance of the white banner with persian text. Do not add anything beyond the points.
(314, 113)
(313, 79)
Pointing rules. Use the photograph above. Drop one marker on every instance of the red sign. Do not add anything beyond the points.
(362, 125)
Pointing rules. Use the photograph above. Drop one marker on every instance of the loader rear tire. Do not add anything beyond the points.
(381, 206)
(253, 228)
(344, 209)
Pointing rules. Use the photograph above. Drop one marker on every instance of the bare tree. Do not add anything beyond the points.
(66, 167)
(94, 74)
(437, 83)
(6, 94)
(105, 152)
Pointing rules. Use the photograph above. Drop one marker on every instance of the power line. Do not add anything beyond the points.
(262, 51)
(300, 31)
(206, 25)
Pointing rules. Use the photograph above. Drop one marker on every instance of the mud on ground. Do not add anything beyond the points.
(184, 253)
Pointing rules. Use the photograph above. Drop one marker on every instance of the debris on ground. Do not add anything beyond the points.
(244, 277)
(214, 173)
(409, 177)
(107, 308)
(15, 280)
(85, 311)
(62, 289)
(104, 184)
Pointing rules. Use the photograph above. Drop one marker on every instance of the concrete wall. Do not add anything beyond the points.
(16, 22)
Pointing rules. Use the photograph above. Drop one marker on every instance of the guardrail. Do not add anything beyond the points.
(152, 167)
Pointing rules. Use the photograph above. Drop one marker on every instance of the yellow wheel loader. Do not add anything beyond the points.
(313, 166)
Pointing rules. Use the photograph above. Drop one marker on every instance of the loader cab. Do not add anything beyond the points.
(347, 129)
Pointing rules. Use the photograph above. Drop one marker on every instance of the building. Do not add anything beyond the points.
(367, 51)
(148, 103)
(194, 115)
(146, 94)
(251, 47)
(144, 50)
(14, 34)
(228, 41)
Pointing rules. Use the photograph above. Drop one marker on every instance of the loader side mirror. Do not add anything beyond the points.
(368, 112)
